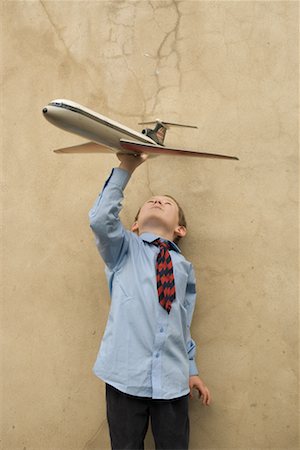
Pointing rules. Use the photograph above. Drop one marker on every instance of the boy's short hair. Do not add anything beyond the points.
(181, 216)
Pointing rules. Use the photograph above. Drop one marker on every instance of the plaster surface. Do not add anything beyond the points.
(232, 69)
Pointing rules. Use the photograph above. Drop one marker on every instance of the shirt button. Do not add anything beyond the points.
(157, 355)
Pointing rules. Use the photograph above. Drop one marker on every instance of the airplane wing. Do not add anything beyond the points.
(139, 147)
(87, 147)
(136, 147)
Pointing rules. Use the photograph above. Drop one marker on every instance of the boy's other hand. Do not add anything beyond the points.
(131, 162)
(204, 394)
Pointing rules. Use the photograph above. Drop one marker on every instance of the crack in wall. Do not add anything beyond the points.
(121, 35)
(65, 46)
(160, 56)
(55, 28)
(89, 444)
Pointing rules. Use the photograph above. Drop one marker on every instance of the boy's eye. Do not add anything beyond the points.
(165, 203)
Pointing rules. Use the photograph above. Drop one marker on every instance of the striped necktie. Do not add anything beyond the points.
(164, 275)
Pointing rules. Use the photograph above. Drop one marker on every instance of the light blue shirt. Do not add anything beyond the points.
(144, 350)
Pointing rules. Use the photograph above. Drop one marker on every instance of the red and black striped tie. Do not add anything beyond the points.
(164, 275)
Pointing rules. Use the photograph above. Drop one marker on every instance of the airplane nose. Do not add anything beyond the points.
(45, 110)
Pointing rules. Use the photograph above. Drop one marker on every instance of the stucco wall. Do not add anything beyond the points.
(232, 69)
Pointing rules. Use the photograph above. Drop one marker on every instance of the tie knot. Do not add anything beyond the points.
(162, 244)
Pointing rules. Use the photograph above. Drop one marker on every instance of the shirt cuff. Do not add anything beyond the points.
(193, 368)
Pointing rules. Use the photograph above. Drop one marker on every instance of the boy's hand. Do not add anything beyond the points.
(196, 382)
(131, 162)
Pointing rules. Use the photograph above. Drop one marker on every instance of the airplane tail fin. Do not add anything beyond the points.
(159, 131)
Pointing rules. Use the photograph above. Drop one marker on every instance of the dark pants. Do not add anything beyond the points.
(128, 420)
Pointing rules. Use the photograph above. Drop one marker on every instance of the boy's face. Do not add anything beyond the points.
(159, 212)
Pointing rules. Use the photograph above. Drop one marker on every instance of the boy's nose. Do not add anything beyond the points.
(157, 201)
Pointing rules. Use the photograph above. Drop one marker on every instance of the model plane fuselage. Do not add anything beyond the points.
(72, 117)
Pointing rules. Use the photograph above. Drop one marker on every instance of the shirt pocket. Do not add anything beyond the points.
(181, 278)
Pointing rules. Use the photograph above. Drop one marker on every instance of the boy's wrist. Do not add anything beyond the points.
(126, 167)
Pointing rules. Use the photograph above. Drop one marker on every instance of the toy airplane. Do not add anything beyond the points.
(106, 135)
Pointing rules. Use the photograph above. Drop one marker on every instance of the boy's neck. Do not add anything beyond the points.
(161, 232)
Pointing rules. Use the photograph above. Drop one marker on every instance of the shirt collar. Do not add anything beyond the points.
(150, 237)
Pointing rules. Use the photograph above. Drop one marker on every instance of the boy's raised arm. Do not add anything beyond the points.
(111, 237)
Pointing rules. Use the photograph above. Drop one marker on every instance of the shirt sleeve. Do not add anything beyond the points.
(112, 239)
(190, 301)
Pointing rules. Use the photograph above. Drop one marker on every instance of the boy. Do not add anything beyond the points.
(147, 355)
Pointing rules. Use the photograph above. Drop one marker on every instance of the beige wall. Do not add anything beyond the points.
(232, 69)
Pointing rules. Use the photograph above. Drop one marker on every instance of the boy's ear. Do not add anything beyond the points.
(180, 231)
(135, 227)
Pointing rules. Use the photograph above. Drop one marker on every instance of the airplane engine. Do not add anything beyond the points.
(151, 134)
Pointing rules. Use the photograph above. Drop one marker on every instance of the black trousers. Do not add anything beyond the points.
(128, 419)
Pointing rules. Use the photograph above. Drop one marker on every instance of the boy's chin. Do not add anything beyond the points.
(155, 222)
